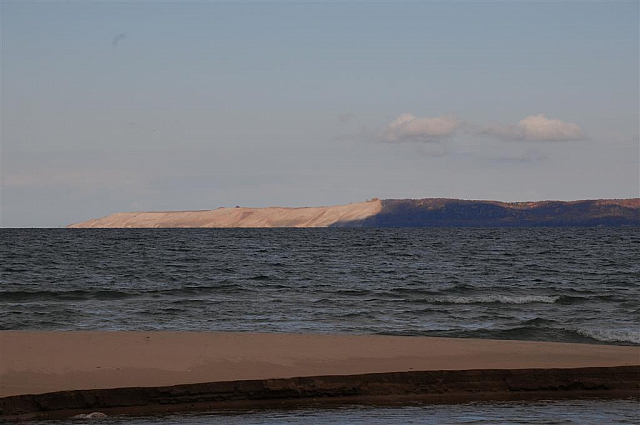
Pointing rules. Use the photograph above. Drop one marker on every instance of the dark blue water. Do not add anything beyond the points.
(572, 285)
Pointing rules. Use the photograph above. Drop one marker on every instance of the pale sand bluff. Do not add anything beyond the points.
(239, 217)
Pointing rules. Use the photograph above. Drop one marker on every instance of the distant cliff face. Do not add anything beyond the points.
(433, 212)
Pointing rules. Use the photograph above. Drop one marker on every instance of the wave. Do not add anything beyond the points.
(74, 295)
(536, 330)
(198, 290)
(260, 277)
(409, 292)
(539, 322)
(355, 292)
(106, 294)
(430, 297)
(498, 299)
(611, 335)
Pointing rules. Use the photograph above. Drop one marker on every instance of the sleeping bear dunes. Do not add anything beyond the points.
(430, 212)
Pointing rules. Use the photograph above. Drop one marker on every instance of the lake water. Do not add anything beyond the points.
(579, 412)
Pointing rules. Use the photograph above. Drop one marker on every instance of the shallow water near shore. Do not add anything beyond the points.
(584, 412)
(549, 284)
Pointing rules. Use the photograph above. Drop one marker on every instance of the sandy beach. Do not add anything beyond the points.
(37, 362)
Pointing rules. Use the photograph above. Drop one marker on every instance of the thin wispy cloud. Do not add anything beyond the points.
(409, 128)
(117, 39)
(346, 117)
(522, 158)
(536, 128)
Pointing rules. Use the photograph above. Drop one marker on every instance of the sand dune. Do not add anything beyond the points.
(239, 217)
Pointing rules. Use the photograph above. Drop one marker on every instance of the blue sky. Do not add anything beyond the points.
(123, 106)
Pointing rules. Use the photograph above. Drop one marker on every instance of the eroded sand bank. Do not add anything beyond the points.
(239, 217)
(40, 362)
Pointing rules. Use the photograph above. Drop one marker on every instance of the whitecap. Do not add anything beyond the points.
(94, 415)
(611, 335)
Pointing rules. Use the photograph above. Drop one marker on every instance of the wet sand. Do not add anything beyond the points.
(38, 362)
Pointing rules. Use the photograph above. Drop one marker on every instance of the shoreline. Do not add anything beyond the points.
(52, 373)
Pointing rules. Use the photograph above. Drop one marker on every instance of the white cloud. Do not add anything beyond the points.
(536, 128)
(409, 128)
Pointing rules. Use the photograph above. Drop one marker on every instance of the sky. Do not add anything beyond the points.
(184, 105)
